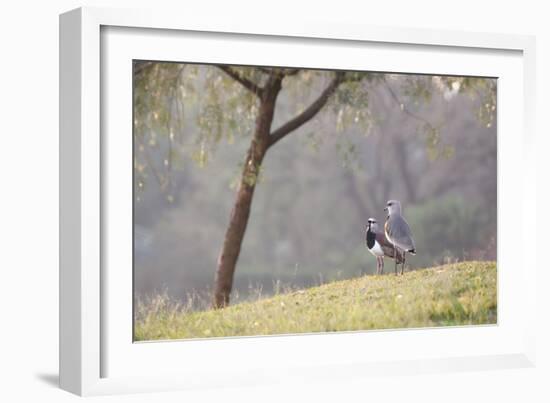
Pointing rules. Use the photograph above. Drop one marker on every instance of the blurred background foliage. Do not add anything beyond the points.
(429, 141)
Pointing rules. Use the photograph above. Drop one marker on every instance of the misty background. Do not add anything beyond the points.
(435, 151)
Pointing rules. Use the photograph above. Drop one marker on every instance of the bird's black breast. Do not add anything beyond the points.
(371, 239)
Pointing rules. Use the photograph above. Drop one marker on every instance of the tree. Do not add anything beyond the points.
(262, 140)
(159, 91)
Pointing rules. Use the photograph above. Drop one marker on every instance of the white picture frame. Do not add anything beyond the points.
(96, 354)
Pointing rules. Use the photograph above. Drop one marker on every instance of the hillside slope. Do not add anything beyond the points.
(455, 294)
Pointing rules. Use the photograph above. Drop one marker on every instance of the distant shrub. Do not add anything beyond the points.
(451, 228)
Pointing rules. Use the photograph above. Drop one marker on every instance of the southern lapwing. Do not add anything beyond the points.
(379, 246)
(398, 231)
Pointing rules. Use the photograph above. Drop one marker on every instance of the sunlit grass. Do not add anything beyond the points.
(454, 294)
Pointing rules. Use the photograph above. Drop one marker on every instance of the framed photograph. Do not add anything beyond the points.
(246, 203)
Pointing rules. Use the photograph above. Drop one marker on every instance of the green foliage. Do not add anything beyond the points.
(450, 295)
(350, 103)
(187, 111)
(483, 91)
(155, 89)
(165, 91)
(417, 89)
(226, 109)
(444, 223)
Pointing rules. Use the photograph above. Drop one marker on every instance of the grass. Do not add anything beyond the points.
(454, 294)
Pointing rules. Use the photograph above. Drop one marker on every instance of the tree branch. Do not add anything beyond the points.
(290, 72)
(403, 107)
(308, 113)
(245, 82)
(283, 72)
(265, 70)
(139, 67)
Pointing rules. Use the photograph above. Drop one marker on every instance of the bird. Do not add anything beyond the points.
(379, 246)
(398, 232)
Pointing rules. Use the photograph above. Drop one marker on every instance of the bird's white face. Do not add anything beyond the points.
(372, 224)
(393, 206)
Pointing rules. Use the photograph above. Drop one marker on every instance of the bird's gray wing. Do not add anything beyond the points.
(399, 232)
(388, 247)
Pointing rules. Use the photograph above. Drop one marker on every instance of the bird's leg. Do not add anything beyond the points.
(382, 265)
(395, 258)
(403, 264)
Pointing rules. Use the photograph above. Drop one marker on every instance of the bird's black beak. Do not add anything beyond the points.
(385, 209)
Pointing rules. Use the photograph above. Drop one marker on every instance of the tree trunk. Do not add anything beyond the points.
(238, 220)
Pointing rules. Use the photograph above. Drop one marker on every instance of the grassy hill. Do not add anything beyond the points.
(454, 294)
